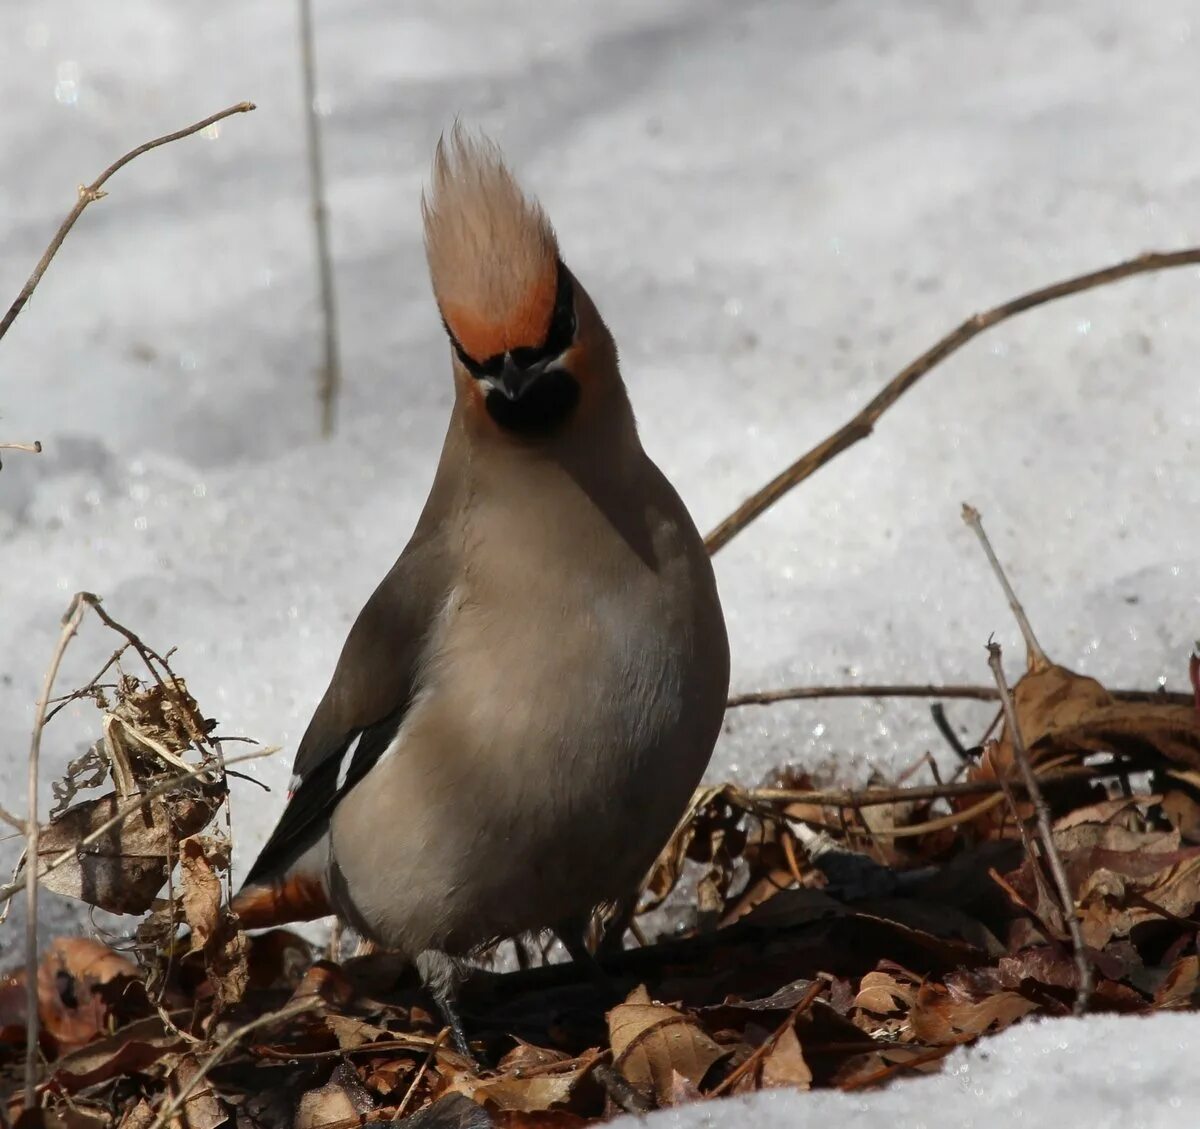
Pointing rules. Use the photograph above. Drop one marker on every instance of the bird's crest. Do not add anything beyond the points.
(493, 258)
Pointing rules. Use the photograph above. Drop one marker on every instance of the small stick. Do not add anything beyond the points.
(861, 426)
(761, 1051)
(1083, 966)
(331, 372)
(34, 448)
(7, 892)
(91, 192)
(412, 1089)
(977, 693)
(938, 713)
(295, 1008)
(70, 624)
(873, 797)
(1035, 656)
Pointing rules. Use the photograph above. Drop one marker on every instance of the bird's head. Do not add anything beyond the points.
(530, 349)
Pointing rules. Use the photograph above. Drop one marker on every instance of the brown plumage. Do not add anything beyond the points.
(527, 701)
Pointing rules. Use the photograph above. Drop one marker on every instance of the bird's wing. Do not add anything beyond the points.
(370, 692)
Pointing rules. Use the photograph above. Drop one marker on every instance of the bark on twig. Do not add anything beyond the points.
(331, 368)
(976, 693)
(90, 192)
(863, 424)
(1083, 966)
(1035, 656)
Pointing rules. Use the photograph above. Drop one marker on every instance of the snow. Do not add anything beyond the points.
(776, 206)
(1045, 1074)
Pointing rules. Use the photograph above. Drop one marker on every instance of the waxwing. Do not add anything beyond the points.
(524, 706)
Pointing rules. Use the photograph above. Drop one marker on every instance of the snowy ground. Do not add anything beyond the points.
(776, 205)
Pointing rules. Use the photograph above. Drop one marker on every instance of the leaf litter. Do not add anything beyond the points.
(827, 939)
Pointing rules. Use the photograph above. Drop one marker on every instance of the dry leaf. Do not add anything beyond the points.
(784, 1064)
(125, 869)
(72, 1008)
(650, 1041)
(201, 1109)
(214, 929)
(144, 1046)
(937, 1018)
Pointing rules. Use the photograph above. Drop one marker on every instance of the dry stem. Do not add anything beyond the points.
(34, 448)
(976, 693)
(6, 892)
(90, 192)
(70, 624)
(331, 372)
(863, 424)
(1035, 656)
(1054, 861)
(290, 1011)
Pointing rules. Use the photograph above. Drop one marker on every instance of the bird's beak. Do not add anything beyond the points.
(512, 381)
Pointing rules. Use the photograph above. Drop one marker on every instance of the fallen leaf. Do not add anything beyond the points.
(143, 1046)
(201, 1109)
(124, 870)
(938, 1019)
(72, 1008)
(650, 1041)
(214, 929)
(784, 1063)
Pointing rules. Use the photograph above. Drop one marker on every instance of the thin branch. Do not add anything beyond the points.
(331, 368)
(1083, 966)
(34, 448)
(412, 1089)
(290, 1011)
(876, 797)
(1035, 656)
(977, 693)
(760, 1052)
(7, 892)
(863, 424)
(89, 193)
(70, 624)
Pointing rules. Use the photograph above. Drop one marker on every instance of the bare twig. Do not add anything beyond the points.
(34, 448)
(290, 1011)
(760, 1052)
(863, 424)
(429, 1057)
(1083, 966)
(1035, 656)
(6, 892)
(331, 370)
(89, 193)
(70, 625)
(938, 713)
(976, 693)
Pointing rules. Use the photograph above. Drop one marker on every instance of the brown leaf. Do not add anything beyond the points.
(144, 1046)
(650, 1041)
(516, 1091)
(201, 1109)
(1180, 988)
(72, 1008)
(937, 1018)
(214, 929)
(683, 1092)
(784, 1064)
(327, 1105)
(124, 870)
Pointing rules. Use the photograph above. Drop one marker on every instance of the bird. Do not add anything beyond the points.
(524, 707)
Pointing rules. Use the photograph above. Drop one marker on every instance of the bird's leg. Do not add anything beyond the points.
(441, 974)
(573, 934)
